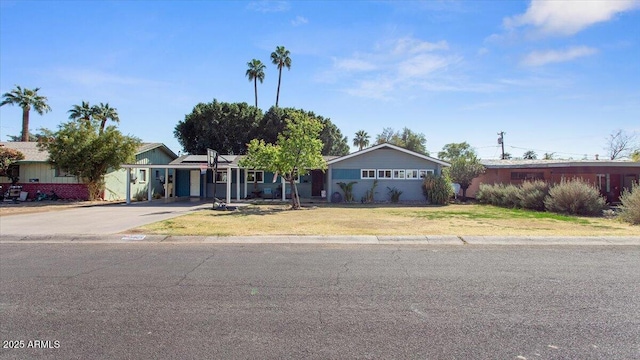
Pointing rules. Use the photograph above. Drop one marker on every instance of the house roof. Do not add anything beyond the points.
(537, 164)
(32, 153)
(223, 160)
(389, 146)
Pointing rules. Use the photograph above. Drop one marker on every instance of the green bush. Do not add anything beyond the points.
(576, 197)
(394, 194)
(630, 208)
(510, 196)
(532, 195)
(499, 195)
(487, 194)
(437, 189)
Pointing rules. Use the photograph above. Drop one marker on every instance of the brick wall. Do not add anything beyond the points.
(64, 191)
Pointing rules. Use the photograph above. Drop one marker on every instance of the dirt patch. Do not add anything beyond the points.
(8, 208)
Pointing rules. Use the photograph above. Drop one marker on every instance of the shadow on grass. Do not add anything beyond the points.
(243, 212)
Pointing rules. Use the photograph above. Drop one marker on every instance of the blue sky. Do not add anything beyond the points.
(556, 76)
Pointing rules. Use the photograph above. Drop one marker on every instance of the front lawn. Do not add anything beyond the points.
(387, 220)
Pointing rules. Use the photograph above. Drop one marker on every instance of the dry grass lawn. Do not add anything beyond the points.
(387, 220)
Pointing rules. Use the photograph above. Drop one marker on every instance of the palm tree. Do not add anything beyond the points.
(84, 112)
(255, 72)
(26, 99)
(280, 58)
(361, 140)
(104, 112)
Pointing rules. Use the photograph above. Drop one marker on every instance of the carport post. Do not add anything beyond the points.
(128, 184)
(238, 183)
(149, 185)
(166, 183)
(228, 185)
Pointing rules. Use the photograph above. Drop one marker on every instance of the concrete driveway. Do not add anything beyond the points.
(95, 220)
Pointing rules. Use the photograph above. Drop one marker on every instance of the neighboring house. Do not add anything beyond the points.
(610, 176)
(143, 177)
(390, 165)
(37, 173)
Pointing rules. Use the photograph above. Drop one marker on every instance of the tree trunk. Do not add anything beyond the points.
(25, 123)
(278, 93)
(255, 88)
(464, 194)
(295, 199)
(102, 124)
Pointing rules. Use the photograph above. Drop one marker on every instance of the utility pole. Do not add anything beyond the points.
(501, 142)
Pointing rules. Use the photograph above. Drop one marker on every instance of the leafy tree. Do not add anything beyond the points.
(274, 121)
(26, 99)
(361, 140)
(84, 150)
(281, 59)
(255, 72)
(297, 151)
(8, 157)
(225, 127)
(32, 137)
(463, 170)
(453, 151)
(406, 139)
(530, 155)
(104, 112)
(635, 156)
(506, 156)
(620, 144)
(548, 156)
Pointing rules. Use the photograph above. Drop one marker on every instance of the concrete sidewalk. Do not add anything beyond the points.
(328, 240)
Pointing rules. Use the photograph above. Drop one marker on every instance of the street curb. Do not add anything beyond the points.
(331, 239)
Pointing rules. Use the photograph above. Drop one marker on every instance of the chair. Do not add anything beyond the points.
(267, 192)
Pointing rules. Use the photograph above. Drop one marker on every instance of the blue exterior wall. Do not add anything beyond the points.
(181, 182)
(384, 158)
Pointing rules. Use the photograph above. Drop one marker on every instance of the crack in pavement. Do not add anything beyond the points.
(71, 277)
(195, 268)
(398, 261)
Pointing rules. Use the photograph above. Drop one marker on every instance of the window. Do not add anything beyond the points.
(516, 175)
(143, 176)
(255, 176)
(61, 172)
(221, 176)
(423, 173)
(384, 174)
(367, 174)
(398, 174)
(413, 174)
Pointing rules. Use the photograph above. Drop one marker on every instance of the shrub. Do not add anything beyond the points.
(437, 189)
(532, 194)
(499, 195)
(347, 189)
(630, 208)
(486, 194)
(394, 194)
(509, 196)
(576, 197)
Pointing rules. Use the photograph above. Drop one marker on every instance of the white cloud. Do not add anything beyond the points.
(569, 17)
(268, 6)
(353, 65)
(415, 46)
(540, 58)
(422, 65)
(299, 20)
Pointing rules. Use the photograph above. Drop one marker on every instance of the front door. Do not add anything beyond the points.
(317, 182)
(194, 183)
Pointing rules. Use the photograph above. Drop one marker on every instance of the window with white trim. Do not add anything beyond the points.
(368, 174)
(398, 174)
(384, 173)
(143, 176)
(424, 172)
(413, 174)
(221, 176)
(255, 176)
(60, 172)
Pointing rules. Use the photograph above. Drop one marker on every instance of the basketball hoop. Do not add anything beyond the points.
(212, 158)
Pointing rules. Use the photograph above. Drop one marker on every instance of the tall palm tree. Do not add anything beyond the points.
(280, 58)
(104, 112)
(83, 111)
(361, 140)
(26, 99)
(255, 72)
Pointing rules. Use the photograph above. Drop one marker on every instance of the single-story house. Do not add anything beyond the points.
(36, 173)
(390, 165)
(610, 176)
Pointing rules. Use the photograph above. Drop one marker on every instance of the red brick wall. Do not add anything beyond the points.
(64, 191)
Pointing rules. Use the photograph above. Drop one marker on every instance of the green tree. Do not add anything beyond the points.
(84, 112)
(88, 152)
(548, 156)
(297, 151)
(255, 72)
(225, 127)
(361, 140)
(407, 139)
(32, 137)
(8, 157)
(635, 156)
(26, 99)
(453, 151)
(463, 170)
(281, 59)
(104, 112)
(530, 155)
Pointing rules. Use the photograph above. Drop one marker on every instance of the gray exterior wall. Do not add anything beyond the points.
(384, 158)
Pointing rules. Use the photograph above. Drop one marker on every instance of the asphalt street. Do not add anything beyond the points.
(144, 300)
